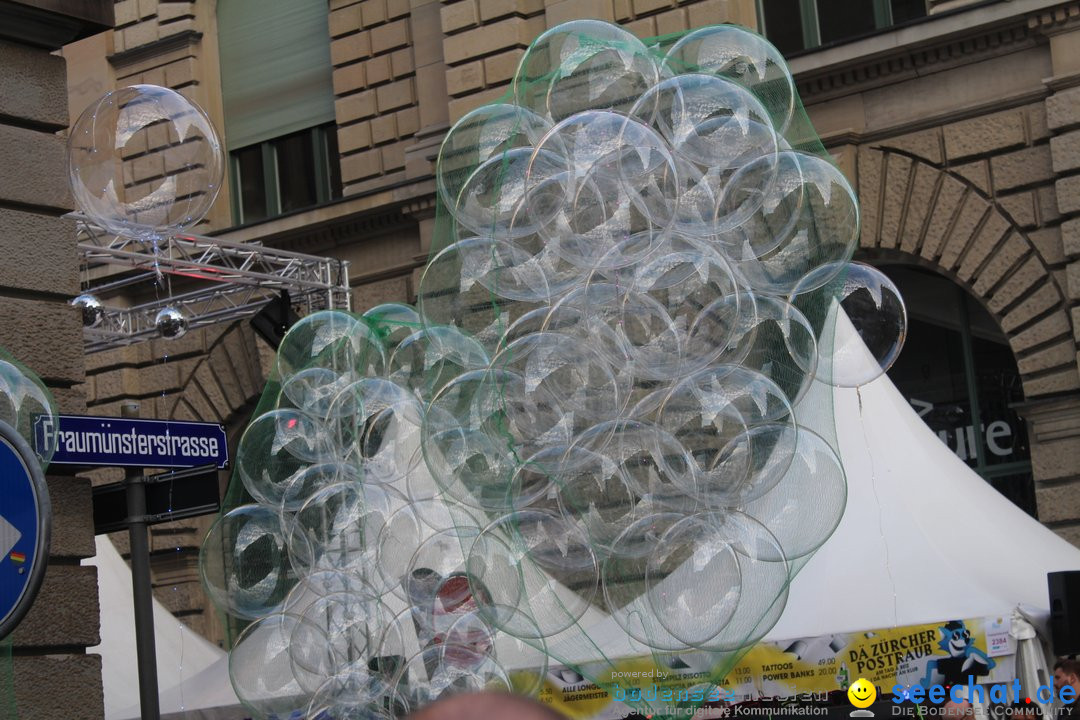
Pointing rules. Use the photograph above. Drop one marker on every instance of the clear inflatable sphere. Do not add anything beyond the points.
(245, 563)
(144, 161)
(583, 65)
(860, 319)
(743, 57)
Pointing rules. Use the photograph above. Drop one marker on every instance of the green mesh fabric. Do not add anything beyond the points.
(602, 438)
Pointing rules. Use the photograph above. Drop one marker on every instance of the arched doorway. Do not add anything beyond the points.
(959, 373)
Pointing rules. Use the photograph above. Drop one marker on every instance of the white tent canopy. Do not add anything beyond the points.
(924, 539)
(192, 673)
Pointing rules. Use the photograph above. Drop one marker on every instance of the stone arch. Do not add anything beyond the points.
(225, 385)
(915, 211)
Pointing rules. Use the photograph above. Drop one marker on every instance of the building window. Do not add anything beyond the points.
(794, 25)
(958, 372)
(278, 96)
(287, 173)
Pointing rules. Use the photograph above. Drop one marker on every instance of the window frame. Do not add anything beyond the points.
(987, 471)
(811, 22)
(318, 143)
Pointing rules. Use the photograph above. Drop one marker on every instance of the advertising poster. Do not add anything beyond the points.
(805, 670)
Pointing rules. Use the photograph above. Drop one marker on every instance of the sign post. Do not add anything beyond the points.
(141, 591)
(132, 443)
(25, 527)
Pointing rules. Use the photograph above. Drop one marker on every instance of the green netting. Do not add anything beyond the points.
(603, 439)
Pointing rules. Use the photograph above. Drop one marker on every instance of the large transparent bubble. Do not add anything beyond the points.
(539, 571)
(245, 562)
(860, 320)
(480, 136)
(743, 57)
(334, 340)
(804, 505)
(611, 175)
(276, 448)
(144, 161)
(583, 65)
(28, 407)
(808, 217)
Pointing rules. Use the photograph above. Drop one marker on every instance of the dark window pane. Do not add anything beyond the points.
(783, 25)
(333, 161)
(904, 10)
(296, 171)
(930, 374)
(1018, 488)
(1004, 432)
(249, 168)
(842, 19)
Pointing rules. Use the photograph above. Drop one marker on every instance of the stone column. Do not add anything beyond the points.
(53, 675)
(1055, 422)
(431, 97)
(1054, 433)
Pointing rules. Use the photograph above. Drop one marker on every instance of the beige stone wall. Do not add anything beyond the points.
(965, 161)
(960, 138)
(172, 44)
(38, 276)
(211, 375)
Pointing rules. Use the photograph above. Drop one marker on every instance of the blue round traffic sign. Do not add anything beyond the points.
(25, 527)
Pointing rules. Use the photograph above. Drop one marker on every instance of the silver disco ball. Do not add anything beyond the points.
(92, 309)
(171, 322)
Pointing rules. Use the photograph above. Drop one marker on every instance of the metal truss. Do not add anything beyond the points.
(242, 278)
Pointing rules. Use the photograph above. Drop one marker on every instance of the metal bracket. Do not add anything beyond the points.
(242, 278)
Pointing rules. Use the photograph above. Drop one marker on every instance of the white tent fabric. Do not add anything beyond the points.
(923, 539)
(192, 673)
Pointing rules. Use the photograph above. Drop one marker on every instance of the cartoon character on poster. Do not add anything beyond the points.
(964, 658)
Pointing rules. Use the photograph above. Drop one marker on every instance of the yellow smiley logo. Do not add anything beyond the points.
(862, 693)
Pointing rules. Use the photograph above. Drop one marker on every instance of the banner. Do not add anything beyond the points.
(806, 669)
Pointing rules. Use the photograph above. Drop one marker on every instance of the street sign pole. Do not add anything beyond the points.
(140, 587)
(89, 441)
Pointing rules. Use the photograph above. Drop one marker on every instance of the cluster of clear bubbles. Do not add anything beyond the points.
(144, 162)
(27, 407)
(588, 426)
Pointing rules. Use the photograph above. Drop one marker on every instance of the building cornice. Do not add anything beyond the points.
(344, 222)
(1063, 18)
(52, 24)
(936, 44)
(162, 46)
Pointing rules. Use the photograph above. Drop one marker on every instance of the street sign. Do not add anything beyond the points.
(169, 496)
(25, 526)
(128, 442)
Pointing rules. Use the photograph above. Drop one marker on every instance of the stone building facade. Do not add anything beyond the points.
(45, 661)
(960, 130)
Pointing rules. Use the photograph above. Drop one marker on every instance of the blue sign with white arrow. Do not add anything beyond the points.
(25, 525)
(113, 441)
